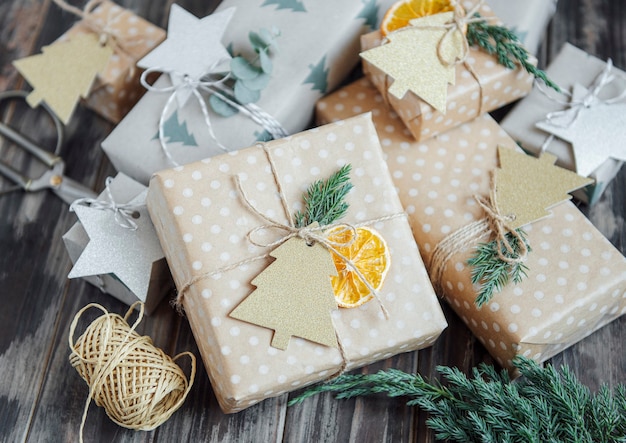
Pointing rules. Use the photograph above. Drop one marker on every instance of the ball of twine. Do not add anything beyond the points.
(138, 385)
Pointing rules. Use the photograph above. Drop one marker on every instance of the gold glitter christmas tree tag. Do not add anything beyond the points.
(421, 58)
(526, 186)
(64, 72)
(294, 295)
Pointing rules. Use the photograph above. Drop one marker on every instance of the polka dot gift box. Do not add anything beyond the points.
(576, 279)
(117, 88)
(483, 88)
(205, 222)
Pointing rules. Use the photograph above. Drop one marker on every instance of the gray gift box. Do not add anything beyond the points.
(123, 189)
(571, 66)
(528, 18)
(318, 47)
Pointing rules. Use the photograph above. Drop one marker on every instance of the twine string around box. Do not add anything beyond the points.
(215, 87)
(459, 23)
(138, 385)
(494, 222)
(124, 213)
(107, 34)
(566, 117)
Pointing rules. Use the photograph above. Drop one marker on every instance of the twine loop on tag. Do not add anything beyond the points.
(107, 34)
(124, 213)
(213, 87)
(467, 236)
(138, 385)
(565, 118)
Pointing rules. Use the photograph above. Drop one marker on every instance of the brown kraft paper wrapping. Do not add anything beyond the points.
(202, 224)
(117, 88)
(576, 281)
(494, 84)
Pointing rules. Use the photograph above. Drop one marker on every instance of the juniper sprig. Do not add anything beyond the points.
(491, 273)
(505, 45)
(325, 200)
(544, 405)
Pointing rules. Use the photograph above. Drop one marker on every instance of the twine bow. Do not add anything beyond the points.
(106, 32)
(494, 222)
(311, 234)
(568, 116)
(215, 87)
(124, 213)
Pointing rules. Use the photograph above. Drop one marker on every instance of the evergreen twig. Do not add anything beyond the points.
(544, 405)
(325, 200)
(503, 43)
(491, 273)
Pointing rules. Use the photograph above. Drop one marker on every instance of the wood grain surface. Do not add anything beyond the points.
(42, 397)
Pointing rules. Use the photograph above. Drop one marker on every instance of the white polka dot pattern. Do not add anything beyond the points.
(241, 363)
(499, 86)
(577, 279)
(117, 88)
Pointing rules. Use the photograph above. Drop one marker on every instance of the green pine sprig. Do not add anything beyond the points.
(249, 78)
(503, 43)
(491, 273)
(544, 405)
(325, 200)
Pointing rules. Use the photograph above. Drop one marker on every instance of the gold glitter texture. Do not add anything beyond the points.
(294, 295)
(527, 186)
(419, 60)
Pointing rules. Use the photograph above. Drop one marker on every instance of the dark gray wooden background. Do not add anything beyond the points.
(42, 397)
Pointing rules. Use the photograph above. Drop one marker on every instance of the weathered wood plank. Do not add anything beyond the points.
(42, 397)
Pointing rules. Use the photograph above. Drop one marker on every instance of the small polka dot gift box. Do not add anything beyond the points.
(478, 85)
(590, 74)
(117, 88)
(208, 216)
(576, 279)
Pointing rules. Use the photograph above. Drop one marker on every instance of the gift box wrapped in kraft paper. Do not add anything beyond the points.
(528, 19)
(154, 280)
(211, 216)
(448, 95)
(117, 88)
(318, 47)
(576, 280)
(593, 159)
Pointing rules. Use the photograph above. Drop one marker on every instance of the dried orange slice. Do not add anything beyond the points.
(401, 13)
(370, 255)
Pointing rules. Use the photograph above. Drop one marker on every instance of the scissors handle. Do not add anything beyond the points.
(13, 175)
(46, 157)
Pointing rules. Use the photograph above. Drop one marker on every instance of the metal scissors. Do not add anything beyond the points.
(54, 179)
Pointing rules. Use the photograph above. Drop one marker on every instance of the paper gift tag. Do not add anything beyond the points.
(64, 72)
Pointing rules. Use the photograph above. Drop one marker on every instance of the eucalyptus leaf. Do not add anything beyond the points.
(266, 62)
(220, 107)
(244, 94)
(269, 36)
(257, 41)
(257, 83)
(241, 68)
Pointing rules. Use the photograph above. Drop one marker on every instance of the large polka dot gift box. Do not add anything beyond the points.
(487, 86)
(117, 88)
(576, 278)
(204, 222)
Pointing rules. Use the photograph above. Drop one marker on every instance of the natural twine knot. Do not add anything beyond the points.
(499, 224)
(138, 385)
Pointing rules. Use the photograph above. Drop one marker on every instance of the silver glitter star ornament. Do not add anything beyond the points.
(596, 132)
(114, 249)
